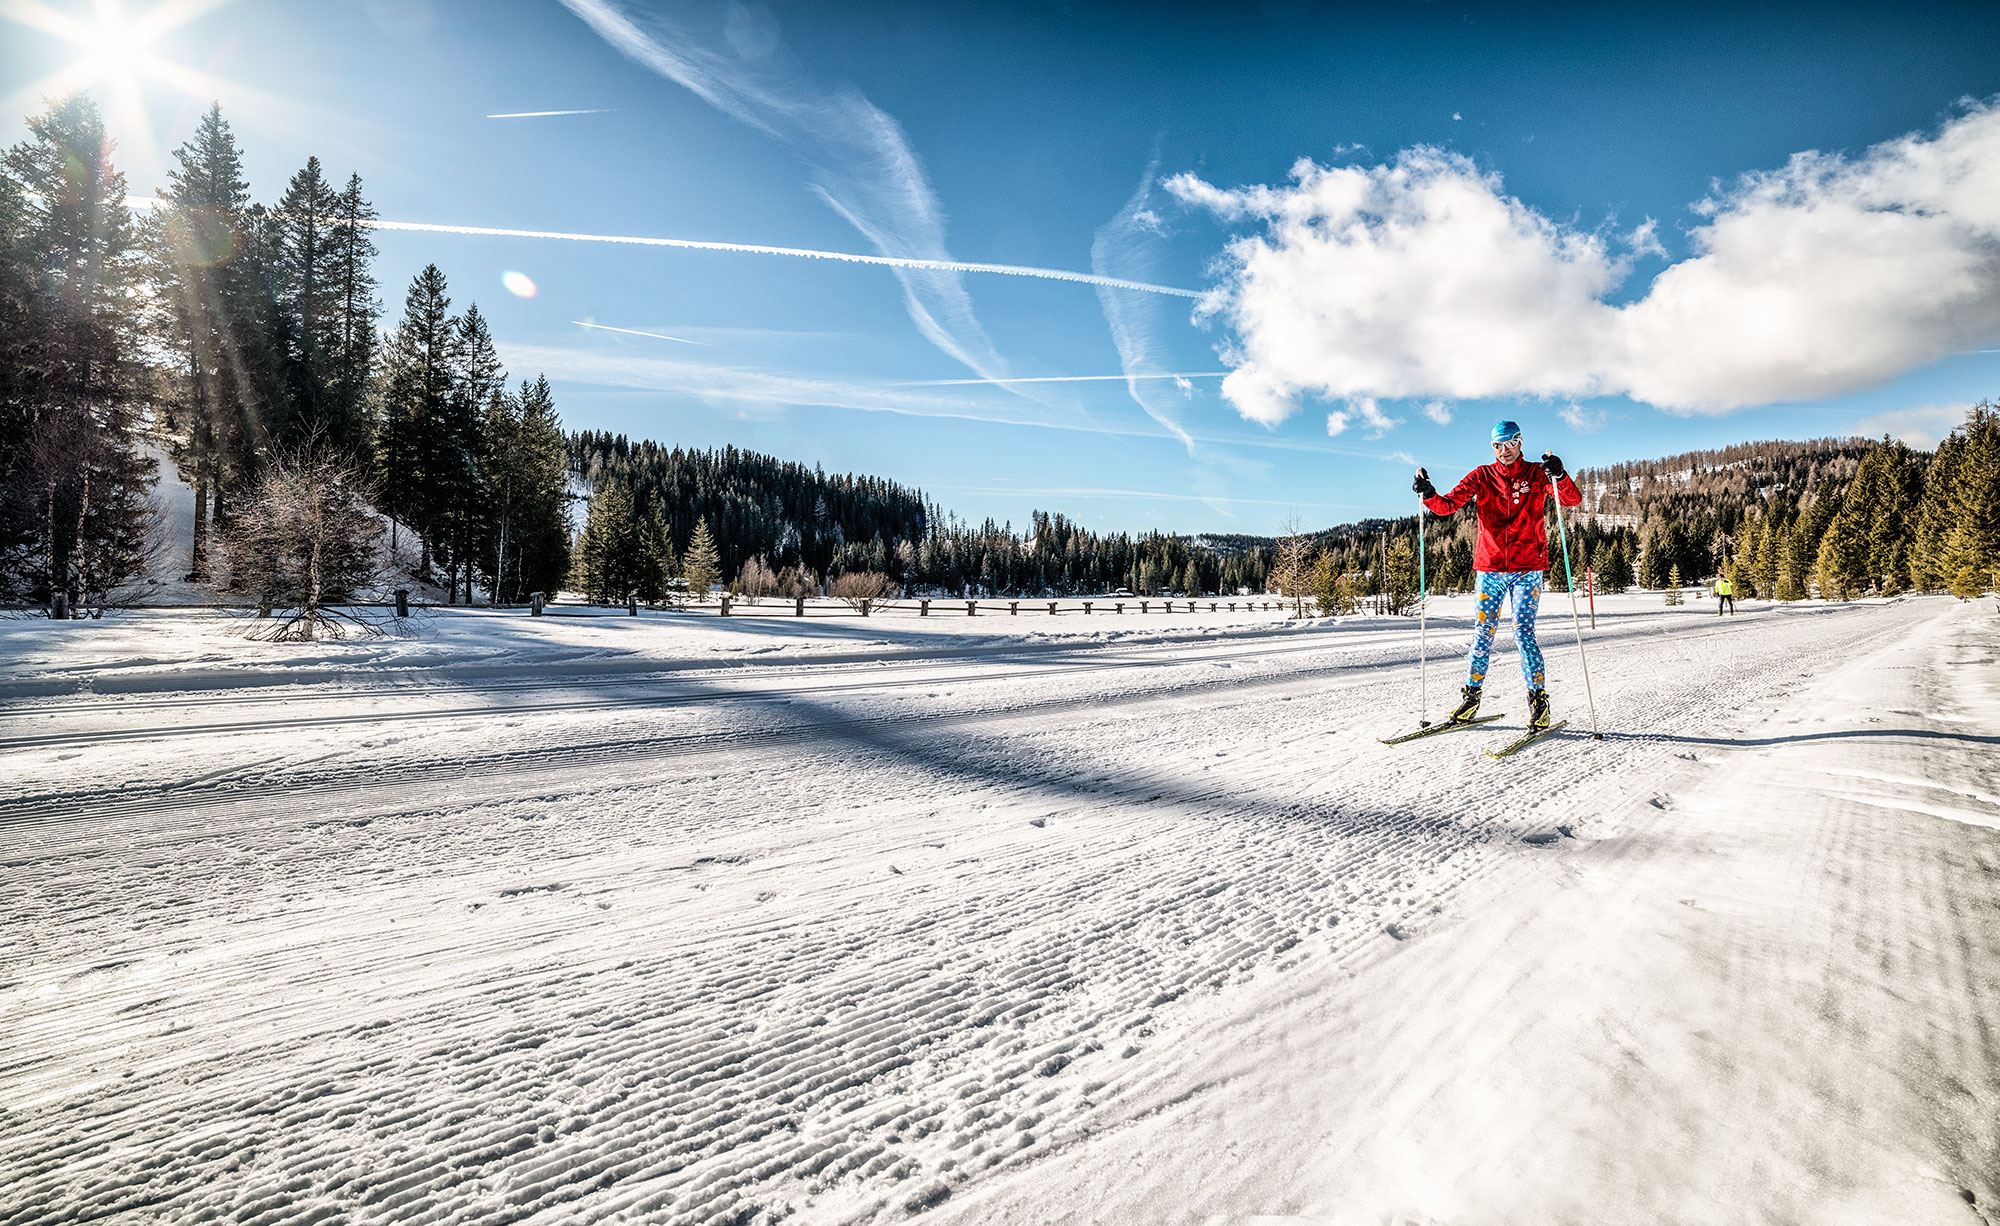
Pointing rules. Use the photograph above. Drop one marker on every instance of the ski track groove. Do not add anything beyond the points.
(559, 1052)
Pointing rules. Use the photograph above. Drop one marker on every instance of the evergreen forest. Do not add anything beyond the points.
(244, 344)
(241, 342)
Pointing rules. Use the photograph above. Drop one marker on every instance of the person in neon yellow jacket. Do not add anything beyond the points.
(1724, 596)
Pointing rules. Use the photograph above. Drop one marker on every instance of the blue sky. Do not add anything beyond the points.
(1404, 220)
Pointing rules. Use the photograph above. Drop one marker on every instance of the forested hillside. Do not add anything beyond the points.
(242, 338)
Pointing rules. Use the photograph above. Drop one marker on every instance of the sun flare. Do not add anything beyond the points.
(114, 46)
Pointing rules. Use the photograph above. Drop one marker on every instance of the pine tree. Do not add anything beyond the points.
(353, 358)
(1793, 567)
(539, 536)
(1656, 553)
(1674, 595)
(1618, 570)
(700, 565)
(658, 567)
(209, 298)
(75, 518)
(609, 553)
(1973, 543)
(1930, 550)
(1841, 570)
(417, 381)
(458, 486)
(308, 266)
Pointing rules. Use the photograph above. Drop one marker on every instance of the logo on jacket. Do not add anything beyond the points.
(1520, 488)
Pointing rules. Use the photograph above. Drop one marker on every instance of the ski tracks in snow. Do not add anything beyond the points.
(906, 943)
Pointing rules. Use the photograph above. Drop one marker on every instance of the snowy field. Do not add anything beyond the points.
(1022, 920)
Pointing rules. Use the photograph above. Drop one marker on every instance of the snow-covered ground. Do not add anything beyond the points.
(1001, 919)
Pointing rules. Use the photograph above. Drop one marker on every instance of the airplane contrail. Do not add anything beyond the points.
(1186, 374)
(600, 110)
(658, 336)
(889, 261)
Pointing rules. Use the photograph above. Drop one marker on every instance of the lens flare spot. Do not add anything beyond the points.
(518, 284)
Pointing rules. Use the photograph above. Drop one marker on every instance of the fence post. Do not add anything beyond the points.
(534, 604)
(1052, 608)
(725, 604)
(1211, 606)
(972, 608)
(1119, 607)
(1086, 608)
(799, 606)
(864, 607)
(402, 602)
(1014, 608)
(632, 604)
(923, 608)
(1145, 606)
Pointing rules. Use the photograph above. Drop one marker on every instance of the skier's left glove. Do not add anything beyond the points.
(1552, 465)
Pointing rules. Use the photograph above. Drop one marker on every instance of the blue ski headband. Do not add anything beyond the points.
(1505, 430)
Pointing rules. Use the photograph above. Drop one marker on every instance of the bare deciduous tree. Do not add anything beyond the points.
(858, 586)
(1291, 572)
(304, 542)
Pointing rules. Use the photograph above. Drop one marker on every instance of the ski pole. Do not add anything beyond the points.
(1562, 535)
(1423, 612)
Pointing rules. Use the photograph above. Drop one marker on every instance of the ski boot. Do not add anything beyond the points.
(1468, 705)
(1538, 710)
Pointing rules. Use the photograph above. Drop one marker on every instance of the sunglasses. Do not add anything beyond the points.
(1512, 442)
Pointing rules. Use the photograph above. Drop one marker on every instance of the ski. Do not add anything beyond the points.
(1525, 741)
(1444, 726)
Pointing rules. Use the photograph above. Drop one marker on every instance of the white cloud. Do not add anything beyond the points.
(1336, 424)
(1923, 427)
(1422, 278)
(1582, 420)
(1438, 411)
(1372, 416)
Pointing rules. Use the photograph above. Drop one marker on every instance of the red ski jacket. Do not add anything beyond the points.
(1512, 506)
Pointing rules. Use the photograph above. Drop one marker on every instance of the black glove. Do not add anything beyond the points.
(1552, 464)
(1422, 485)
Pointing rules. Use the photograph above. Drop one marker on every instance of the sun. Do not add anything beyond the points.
(112, 54)
(113, 44)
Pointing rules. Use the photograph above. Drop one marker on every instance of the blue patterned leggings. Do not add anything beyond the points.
(1526, 586)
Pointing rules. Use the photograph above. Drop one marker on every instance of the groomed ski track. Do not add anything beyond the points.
(976, 930)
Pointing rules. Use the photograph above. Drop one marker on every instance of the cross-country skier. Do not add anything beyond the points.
(1724, 595)
(1511, 497)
